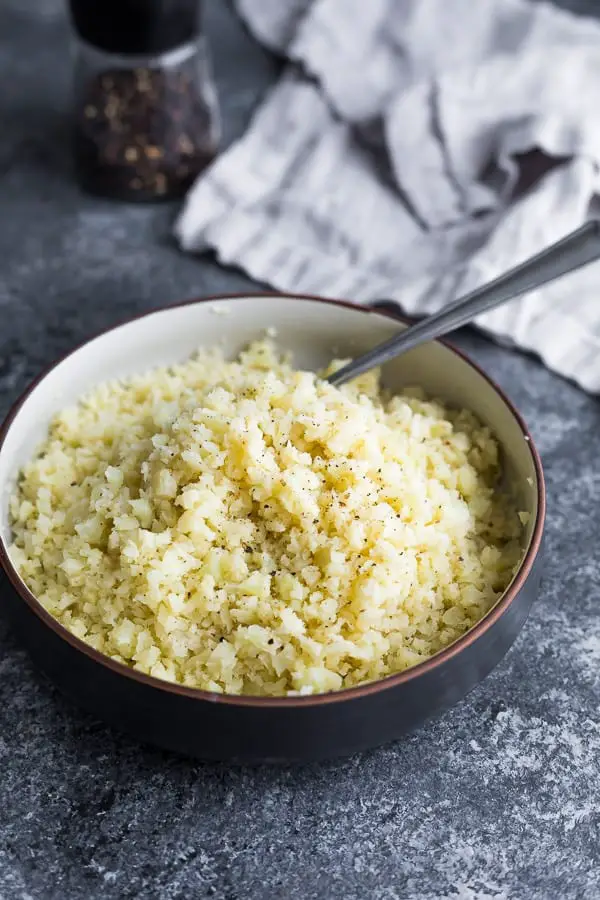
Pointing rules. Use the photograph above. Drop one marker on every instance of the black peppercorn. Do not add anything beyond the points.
(146, 119)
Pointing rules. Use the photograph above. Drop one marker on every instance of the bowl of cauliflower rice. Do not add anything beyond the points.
(208, 545)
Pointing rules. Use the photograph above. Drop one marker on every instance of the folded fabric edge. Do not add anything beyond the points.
(574, 358)
(238, 239)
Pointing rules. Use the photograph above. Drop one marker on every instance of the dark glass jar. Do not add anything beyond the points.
(146, 115)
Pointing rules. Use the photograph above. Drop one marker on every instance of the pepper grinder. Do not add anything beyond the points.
(146, 113)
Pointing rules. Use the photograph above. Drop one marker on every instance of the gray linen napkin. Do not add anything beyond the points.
(412, 150)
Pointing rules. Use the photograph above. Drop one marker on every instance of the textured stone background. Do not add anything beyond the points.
(497, 799)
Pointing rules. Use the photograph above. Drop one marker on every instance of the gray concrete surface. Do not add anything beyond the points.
(500, 798)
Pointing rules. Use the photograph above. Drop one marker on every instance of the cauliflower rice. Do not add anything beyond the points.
(247, 528)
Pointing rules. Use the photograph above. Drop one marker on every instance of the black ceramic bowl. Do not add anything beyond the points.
(253, 729)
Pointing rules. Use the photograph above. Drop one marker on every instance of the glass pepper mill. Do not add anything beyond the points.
(146, 114)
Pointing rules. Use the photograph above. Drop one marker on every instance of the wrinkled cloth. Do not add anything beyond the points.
(412, 150)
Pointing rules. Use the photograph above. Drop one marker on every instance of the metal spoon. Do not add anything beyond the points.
(577, 249)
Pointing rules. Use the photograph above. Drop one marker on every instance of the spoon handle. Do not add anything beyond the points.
(577, 249)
